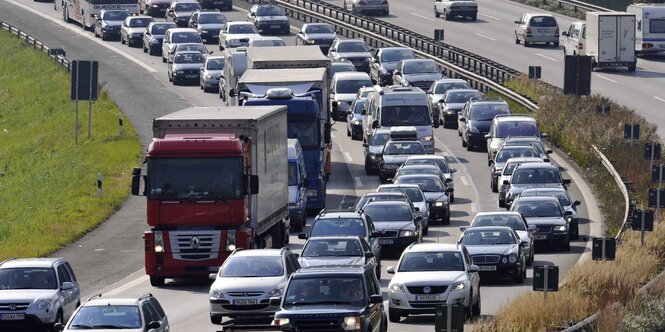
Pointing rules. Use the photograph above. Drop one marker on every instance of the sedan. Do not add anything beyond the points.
(451, 104)
(208, 24)
(154, 36)
(373, 149)
(354, 120)
(384, 63)
(394, 154)
(338, 250)
(420, 73)
(396, 222)
(187, 47)
(353, 50)
(438, 88)
(186, 66)
(180, 11)
(510, 219)
(533, 175)
(497, 250)
(416, 196)
(549, 217)
(568, 204)
(507, 173)
(108, 22)
(321, 34)
(236, 34)
(210, 73)
(435, 194)
(442, 164)
(269, 18)
(133, 28)
(496, 165)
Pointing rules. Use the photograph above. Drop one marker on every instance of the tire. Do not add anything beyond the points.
(382, 179)
(475, 308)
(163, 58)
(378, 270)
(175, 81)
(348, 132)
(474, 18)
(446, 220)
(446, 17)
(368, 171)
(469, 147)
(145, 50)
(519, 278)
(459, 132)
(393, 316)
(94, 30)
(566, 245)
(425, 230)
(529, 261)
(452, 198)
(556, 44)
(58, 319)
(575, 232)
(526, 43)
(217, 320)
(157, 281)
(170, 78)
(150, 51)
(494, 185)
(122, 40)
(436, 13)
(463, 142)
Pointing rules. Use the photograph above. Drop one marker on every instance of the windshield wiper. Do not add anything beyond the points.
(322, 302)
(82, 326)
(109, 327)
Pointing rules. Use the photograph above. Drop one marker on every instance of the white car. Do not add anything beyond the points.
(236, 34)
(175, 36)
(429, 274)
(344, 89)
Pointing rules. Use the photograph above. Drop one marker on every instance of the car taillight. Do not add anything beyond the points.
(528, 31)
(580, 46)
(647, 45)
(557, 32)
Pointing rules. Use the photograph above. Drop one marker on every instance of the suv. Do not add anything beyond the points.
(128, 314)
(509, 125)
(476, 118)
(107, 23)
(340, 298)
(247, 281)
(575, 39)
(384, 61)
(37, 293)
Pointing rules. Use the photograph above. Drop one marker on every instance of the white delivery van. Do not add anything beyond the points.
(575, 39)
(650, 27)
(610, 39)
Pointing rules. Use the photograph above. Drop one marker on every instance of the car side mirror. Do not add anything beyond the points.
(274, 301)
(365, 145)
(375, 124)
(565, 33)
(212, 276)
(297, 255)
(449, 180)
(154, 325)
(397, 73)
(566, 181)
(369, 255)
(576, 203)
(363, 112)
(66, 286)
(488, 136)
(232, 93)
(58, 327)
(453, 170)
(462, 229)
(435, 124)
(474, 268)
(376, 298)
(506, 182)
(490, 162)
(462, 119)
(517, 22)
(419, 218)
(390, 270)
(302, 236)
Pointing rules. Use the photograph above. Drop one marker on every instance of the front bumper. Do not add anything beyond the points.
(550, 238)
(476, 139)
(450, 117)
(273, 27)
(181, 21)
(30, 323)
(405, 303)
(211, 83)
(226, 307)
(210, 36)
(387, 173)
(136, 39)
(186, 77)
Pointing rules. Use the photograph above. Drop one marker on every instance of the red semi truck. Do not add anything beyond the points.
(216, 181)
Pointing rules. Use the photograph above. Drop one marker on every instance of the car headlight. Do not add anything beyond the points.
(397, 287)
(277, 292)
(438, 204)
(560, 228)
(280, 321)
(450, 111)
(310, 41)
(155, 6)
(428, 138)
(373, 156)
(458, 286)
(356, 122)
(208, 76)
(406, 233)
(154, 42)
(159, 241)
(234, 41)
(405, 82)
(179, 72)
(351, 323)
(107, 28)
(512, 258)
(44, 305)
(368, 59)
(216, 293)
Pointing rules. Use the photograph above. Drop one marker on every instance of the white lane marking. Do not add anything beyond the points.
(84, 34)
(332, 135)
(605, 78)
(359, 182)
(490, 16)
(425, 17)
(463, 178)
(98, 250)
(348, 156)
(473, 208)
(462, 169)
(128, 285)
(658, 98)
(483, 36)
(546, 57)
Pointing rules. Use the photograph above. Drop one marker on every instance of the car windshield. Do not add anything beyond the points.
(511, 221)
(487, 112)
(429, 184)
(459, 97)
(319, 28)
(106, 317)
(443, 87)
(405, 115)
(515, 152)
(212, 19)
(413, 193)
(380, 139)
(215, 64)
(535, 175)
(401, 148)
(307, 132)
(27, 278)
(242, 29)
(442, 164)
(293, 174)
(358, 106)
(476, 237)
(351, 85)
(420, 67)
(269, 11)
(543, 21)
(188, 58)
(396, 55)
(185, 37)
(140, 22)
(187, 7)
(267, 43)
(352, 47)
(338, 227)
(516, 128)
(328, 247)
(325, 290)
(388, 212)
(431, 261)
(538, 209)
(115, 15)
(160, 29)
(252, 267)
(172, 178)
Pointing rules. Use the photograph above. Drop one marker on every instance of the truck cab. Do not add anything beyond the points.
(297, 185)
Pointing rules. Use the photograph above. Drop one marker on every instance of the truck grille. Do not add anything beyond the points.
(485, 259)
(420, 289)
(195, 245)
(14, 306)
(425, 85)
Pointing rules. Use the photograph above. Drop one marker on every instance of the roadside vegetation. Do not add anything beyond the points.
(573, 125)
(48, 184)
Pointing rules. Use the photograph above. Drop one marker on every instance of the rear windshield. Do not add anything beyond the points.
(515, 152)
(418, 67)
(351, 47)
(535, 175)
(457, 97)
(186, 37)
(543, 21)
(115, 15)
(380, 139)
(413, 193)
(188, 58)
(488, 112)
(338, 227)
(351, 86)
(657, 26)
(516, 128)
(140, 22)
(293, 174)
(538, 209)
(187, 7)
(399, 148)
(426, 184)
(160, 29)
(396, 55)
(215, 64)
(441, 88)
(511, 221)
(338, 68)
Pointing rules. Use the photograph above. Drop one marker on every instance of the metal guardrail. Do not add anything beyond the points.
(36, 44)
(580, 5)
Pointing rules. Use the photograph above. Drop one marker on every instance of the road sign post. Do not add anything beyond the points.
(602, 109)
(534, 74)
(546, 279)
(603, 248)
(631, 132)
(642, 221)
(84, 87)
(449, 317)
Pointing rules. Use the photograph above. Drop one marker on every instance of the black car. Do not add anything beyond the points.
(384, 62)
(154, 36)
(497, 250)
(208, 23)
(322, 34)
(551, 220)
(373, 148)
(397, 223)
(475, 120)
(436, 194)
(180, 11)
(332, 299)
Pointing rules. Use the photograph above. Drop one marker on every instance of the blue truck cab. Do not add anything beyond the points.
(297, 185)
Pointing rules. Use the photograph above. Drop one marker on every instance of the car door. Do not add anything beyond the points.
(333, 50)
(375, 310)
(193, 21)
(375, 66)
(68, 296)
(520, 26)
(462, 124)
(474, 278)
(397, 73)
(165, 43)
(158, 314)
(373, 241)
(150, 315)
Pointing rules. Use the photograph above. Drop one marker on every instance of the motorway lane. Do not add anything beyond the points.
(492, 36)
(469, 200)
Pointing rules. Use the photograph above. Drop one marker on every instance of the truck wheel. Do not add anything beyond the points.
(157, 281)
(632, 67)
(215, 319)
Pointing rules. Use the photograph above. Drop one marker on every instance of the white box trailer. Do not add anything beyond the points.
(650, 27)
(610, 39)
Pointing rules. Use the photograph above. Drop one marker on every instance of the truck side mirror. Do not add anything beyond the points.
(253, 184)
(136, 181)
(327, 136)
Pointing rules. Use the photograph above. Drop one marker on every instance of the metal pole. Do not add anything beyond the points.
(545, 270)
(603, 249)
(644, 213)
(632, 128)
(449, 317)
(534, 86)
(660, 182)
(90, 102)
(122, 129)
(76, 129)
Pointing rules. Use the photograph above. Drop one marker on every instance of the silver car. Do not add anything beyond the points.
(415, 195)
(338, 250)
(368, 6)
(210, 73)
(354, 50)
(429, 274)
(344, 89)
(510, 219)
(236, 34)
(322, 34)
(537, 28)
(133, 28)
(451, 105)
(186, 66)
(187, 47)
(442, 163)
(247, 280)
(37, 293)
(417, 72)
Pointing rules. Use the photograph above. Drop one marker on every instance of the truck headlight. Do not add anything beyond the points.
(427, 138)
(351, 323)
(560, 228)
(512, 258)
(159, 241)
(231, 240)
(44, 305)
(397, 288)
(458, 286)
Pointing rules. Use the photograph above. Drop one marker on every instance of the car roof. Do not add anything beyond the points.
(339, 214)
(329, 271)
(341, 63)
(537, 198)
(259, 37)
(539, 14)
(545, 190)
(239, 23)
(350, 75)
(174, 30)
(537, 165)
(138, 16)
(490, 228)
(399, 185)
(462, 90)
(354, 40)
(484, 101)
(494, 213)
(395, 48)
(383, 194)
(427, 157)
(514, 118)
(428, 166)
(29, 262)
(426, 247)
(339, 237)
(317, 23)
(524, 159)
(215, 57)
(381, 131)
(102, 302)
(386, 203)
(414, 176)
(257, 253)
(451, 80)
(185, 1)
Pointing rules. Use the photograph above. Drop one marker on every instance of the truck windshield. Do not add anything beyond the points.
(325, 290)
(195, 178)
(306, 132)
(293, 174)
(405, 115)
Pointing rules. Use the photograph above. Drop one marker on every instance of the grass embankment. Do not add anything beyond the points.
(48, 184)
(573, 125)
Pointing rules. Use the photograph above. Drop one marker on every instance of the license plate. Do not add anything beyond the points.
(486, 268)
(386, 241)
(427, 298)
(274, 26)
(12, 317)
(218, 2)
(540, 237)
(190, 76)
(246, 302)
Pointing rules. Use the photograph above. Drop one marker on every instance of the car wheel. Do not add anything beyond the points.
(378, 270)
(494, 185)
(382, 179)
(436, 13)
(519, 278)
(122, 40)
(298, 225)
(157, 281)
(367, 168)
(425, 230)
(104, 36)
(393, 316)
(575, 231)
(145, 49)
(475, 309)
(463, 142)
(565, 246)
(452, 198)
(474, 17)
(58, 319)
(469, 147)
(526, 43)
(94, 31)
(447, 219)
(163, 58)
(556, 44)
(175, 81)
(459, 131)
(348, 132)
(216, 319)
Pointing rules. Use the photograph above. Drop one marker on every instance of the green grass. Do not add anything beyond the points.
(515, 107)
(48, 184)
